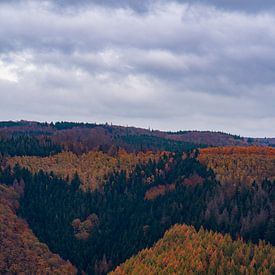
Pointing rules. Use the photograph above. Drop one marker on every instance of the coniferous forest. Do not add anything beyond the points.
(85, 198)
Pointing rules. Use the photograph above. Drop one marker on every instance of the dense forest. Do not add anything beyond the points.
(94, 230)
(82, 137)
(28, 146)
(200, 252)
(98, 194)
(92, 167)
(236, 165)
(21, 252)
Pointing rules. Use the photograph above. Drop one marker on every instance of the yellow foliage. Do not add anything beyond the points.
(235, 165)
(92, 167)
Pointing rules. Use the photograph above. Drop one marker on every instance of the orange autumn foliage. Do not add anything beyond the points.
(183, 250)
(159, 190)
(92, 167)
(235, 165)
(20, 251)
(259, 150)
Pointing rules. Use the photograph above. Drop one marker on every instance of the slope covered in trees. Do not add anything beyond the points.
(210, 138)
(183, 250)
(137, 194)
(150, 142)
(20, 251)
(28, 146)
(57, 213)
(92, 167)
(94, 230)
(236, 165)
(83, 137)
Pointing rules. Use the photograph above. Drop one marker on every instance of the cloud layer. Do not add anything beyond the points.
(168, 65)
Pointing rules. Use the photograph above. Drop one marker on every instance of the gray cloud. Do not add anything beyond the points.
(171, 65)
(146, 5)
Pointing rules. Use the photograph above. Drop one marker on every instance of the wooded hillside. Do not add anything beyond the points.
(20, 251)
(236, 165)
(99, 207)
(92, 167)
(183, 250)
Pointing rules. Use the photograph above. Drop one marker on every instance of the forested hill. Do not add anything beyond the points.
(183, 250)
(98, 230)
(89, 197)
(21, 252)
(82, 137)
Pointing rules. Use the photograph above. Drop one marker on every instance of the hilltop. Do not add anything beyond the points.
(183, 250)
(83, 137)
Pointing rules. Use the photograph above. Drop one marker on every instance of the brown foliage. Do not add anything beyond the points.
(209, 138)
(81, 140)
(20, 251)
(82, 230)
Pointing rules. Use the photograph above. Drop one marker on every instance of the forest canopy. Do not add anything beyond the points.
(79, 191)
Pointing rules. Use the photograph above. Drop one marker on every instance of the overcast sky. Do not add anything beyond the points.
(205, 65)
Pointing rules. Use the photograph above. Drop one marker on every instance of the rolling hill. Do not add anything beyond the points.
(96, 195)
(183, 250)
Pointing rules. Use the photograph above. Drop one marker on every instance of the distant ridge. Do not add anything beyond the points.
(92, 135)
